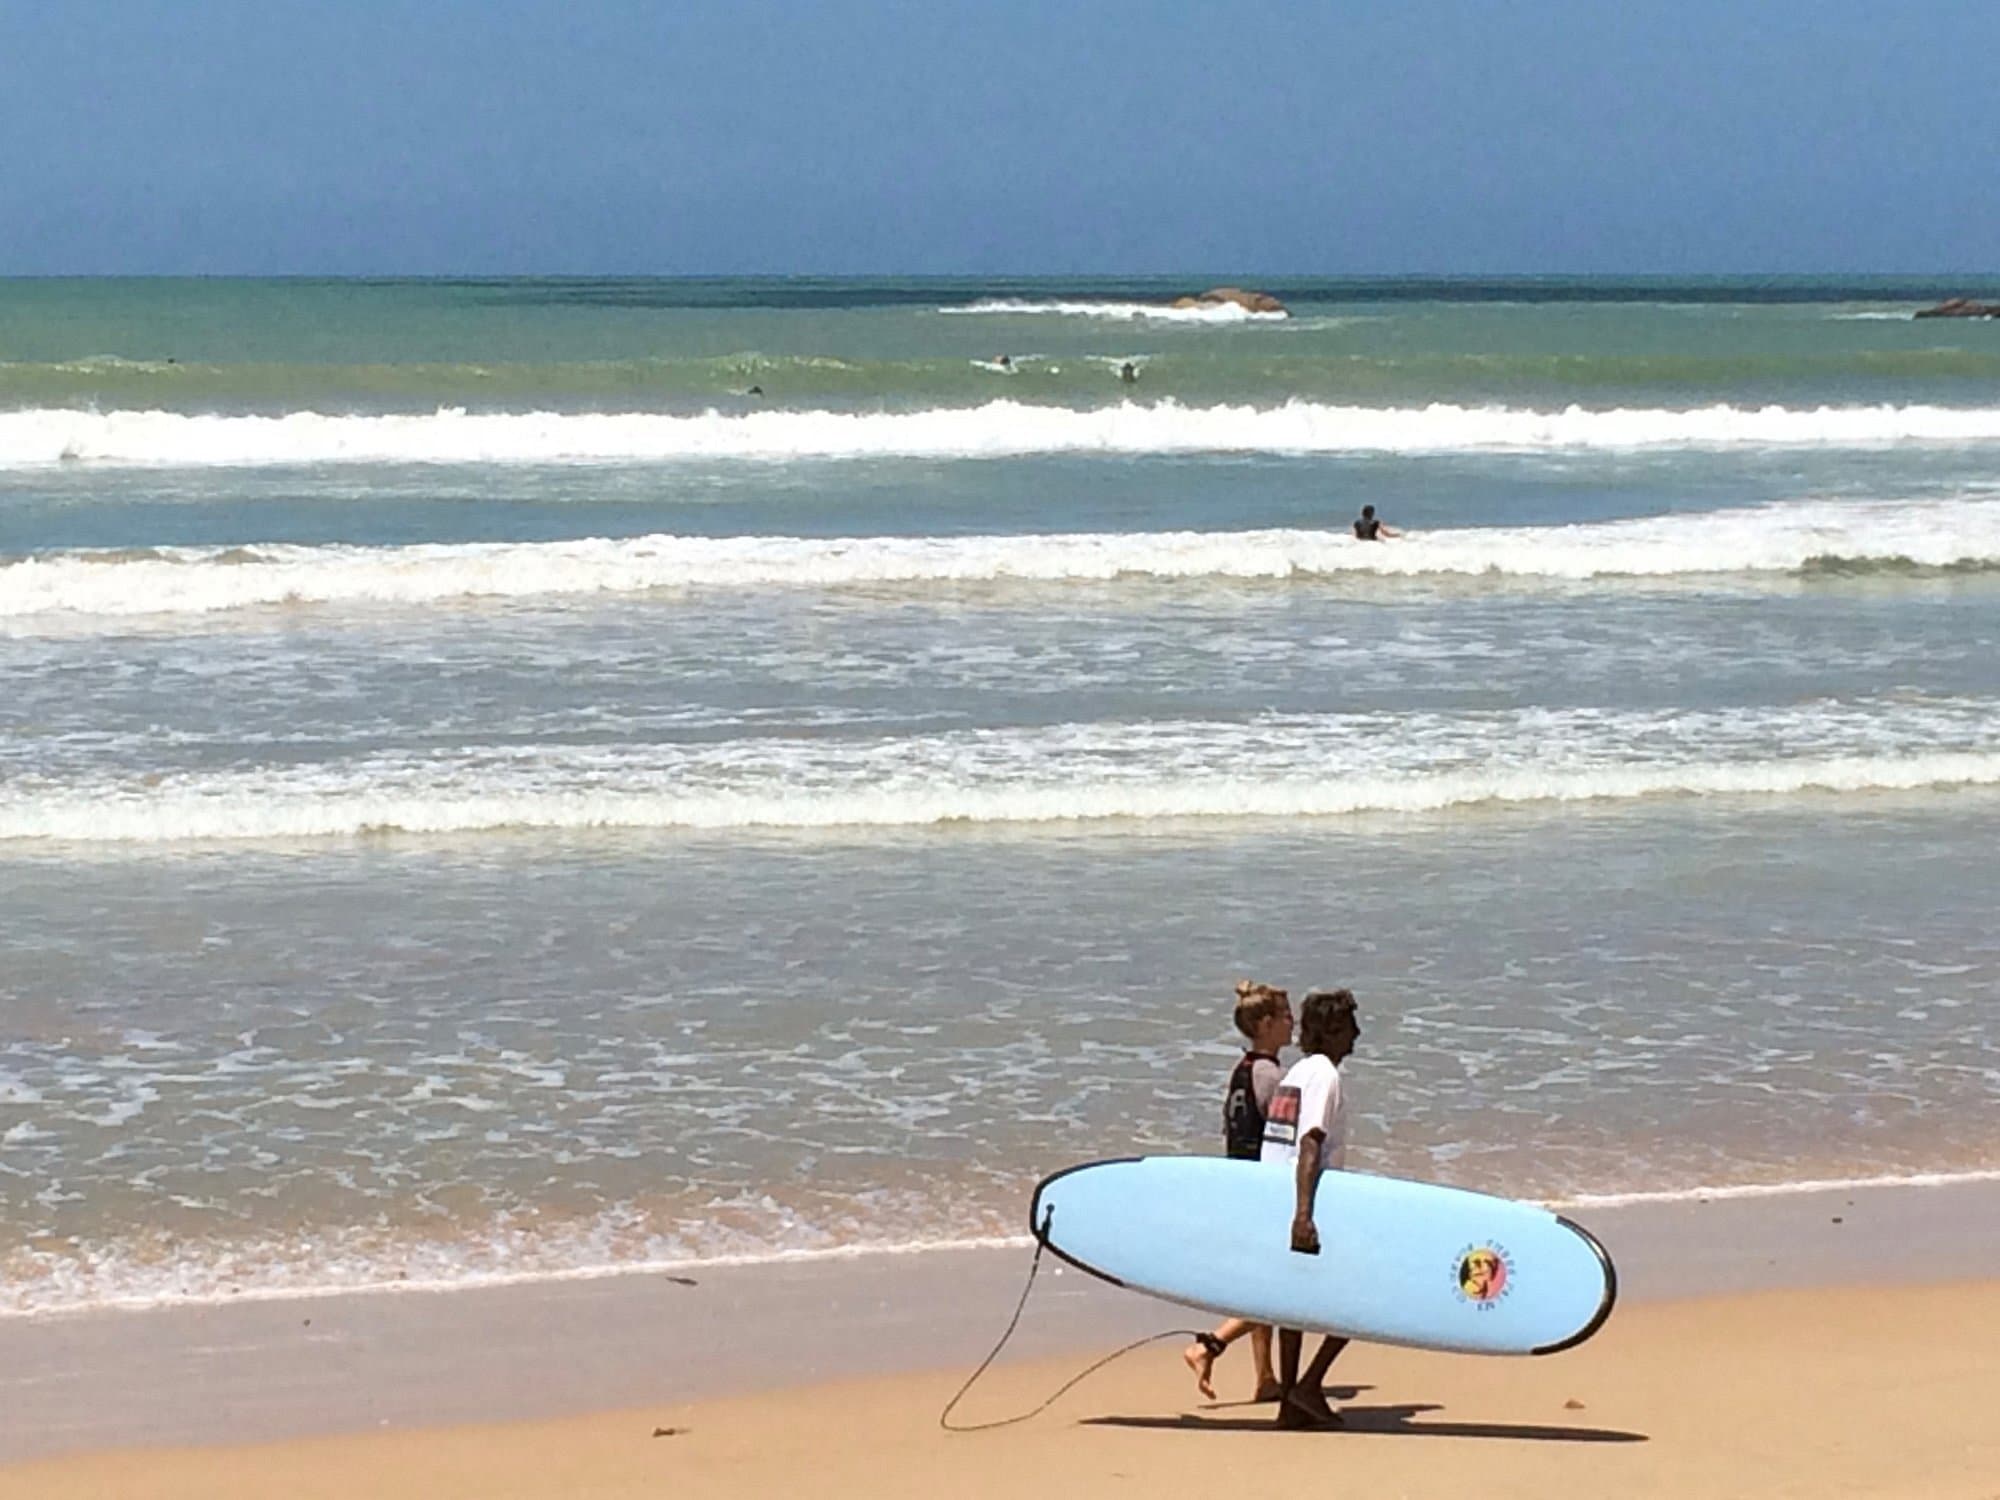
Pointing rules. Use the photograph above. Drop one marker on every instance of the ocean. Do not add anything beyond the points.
(513, 779)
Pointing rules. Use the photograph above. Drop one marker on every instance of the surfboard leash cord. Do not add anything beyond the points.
(1034, 1267)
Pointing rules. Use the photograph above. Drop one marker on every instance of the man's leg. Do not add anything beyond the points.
(1289, 1415)
(1307, 1394)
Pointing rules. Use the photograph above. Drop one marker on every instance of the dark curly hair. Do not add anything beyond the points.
(1322, 1015)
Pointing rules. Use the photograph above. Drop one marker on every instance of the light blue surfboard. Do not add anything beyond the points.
(1399, 1263)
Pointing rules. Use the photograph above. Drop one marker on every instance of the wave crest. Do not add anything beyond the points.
(1816, 538)
(1314, 766)
(997, 429)
(1116, 311)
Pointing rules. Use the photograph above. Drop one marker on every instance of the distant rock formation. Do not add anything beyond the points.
(1961, 307)
(1256, 302)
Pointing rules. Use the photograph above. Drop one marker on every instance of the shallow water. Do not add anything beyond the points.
(438, 848)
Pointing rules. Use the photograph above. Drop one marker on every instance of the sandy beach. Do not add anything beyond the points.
(1841, 1348)
(1880, 1392)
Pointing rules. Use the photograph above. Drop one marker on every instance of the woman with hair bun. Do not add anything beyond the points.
(1264, 1017)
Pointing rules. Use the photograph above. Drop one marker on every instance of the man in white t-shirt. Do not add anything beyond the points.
(1306, 1128)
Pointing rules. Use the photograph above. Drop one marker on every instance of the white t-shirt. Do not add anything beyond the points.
(1308, 1099)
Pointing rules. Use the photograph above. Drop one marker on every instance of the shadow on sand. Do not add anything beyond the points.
(1333, 1393)
(1385, 1419)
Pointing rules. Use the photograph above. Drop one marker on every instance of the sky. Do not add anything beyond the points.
(951, 137)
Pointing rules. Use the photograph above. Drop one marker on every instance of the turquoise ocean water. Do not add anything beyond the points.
(522, 777)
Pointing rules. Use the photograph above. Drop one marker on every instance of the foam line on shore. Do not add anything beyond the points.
(496, 1279)
(1739, 1190)
(490, 1280)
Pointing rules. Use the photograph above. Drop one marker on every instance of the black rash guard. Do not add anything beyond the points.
(1242, 1115)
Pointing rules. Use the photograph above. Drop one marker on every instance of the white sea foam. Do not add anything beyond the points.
(1325, 765)
(45, 436)
(1122, 312)
(1769, 539)
(365, 1262)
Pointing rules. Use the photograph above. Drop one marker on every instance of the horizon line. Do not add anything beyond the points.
(1209, 277)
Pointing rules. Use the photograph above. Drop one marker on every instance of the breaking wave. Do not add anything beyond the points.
(1123, 312)
(1815, 538)
(51, 435)
(1316, 766)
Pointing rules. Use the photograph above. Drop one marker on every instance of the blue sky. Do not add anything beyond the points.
(680, 136)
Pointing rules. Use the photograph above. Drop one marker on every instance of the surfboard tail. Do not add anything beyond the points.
(1042, 1215)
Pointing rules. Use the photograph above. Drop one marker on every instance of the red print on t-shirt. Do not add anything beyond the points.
(1281, 1123)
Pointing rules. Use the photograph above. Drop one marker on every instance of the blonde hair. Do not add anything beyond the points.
(1257, 1003)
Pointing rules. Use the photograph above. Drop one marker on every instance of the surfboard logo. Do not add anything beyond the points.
(1483, 1275)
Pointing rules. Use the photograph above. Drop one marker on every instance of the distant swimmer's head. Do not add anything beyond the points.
(1367, 512)
(1328, 1024)
(1260, 1008)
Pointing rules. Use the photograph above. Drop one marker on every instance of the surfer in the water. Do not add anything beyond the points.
(1368, 529)
(1306, 1127)
(1264, 1016)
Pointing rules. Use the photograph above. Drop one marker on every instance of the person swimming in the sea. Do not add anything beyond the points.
(1128, 372)
(1368, 529)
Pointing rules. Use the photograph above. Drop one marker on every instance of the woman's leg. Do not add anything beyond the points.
(1202, 1354)
(1260, 1353)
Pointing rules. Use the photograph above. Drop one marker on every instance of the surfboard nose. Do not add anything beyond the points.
(1604, 1305)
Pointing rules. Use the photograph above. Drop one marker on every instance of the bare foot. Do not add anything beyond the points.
(1200, 1361)
(1268, 1390)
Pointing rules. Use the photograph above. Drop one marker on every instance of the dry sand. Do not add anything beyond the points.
(1867, 1391)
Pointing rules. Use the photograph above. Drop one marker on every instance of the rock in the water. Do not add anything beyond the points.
(1256, 302)
(1961, 307)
